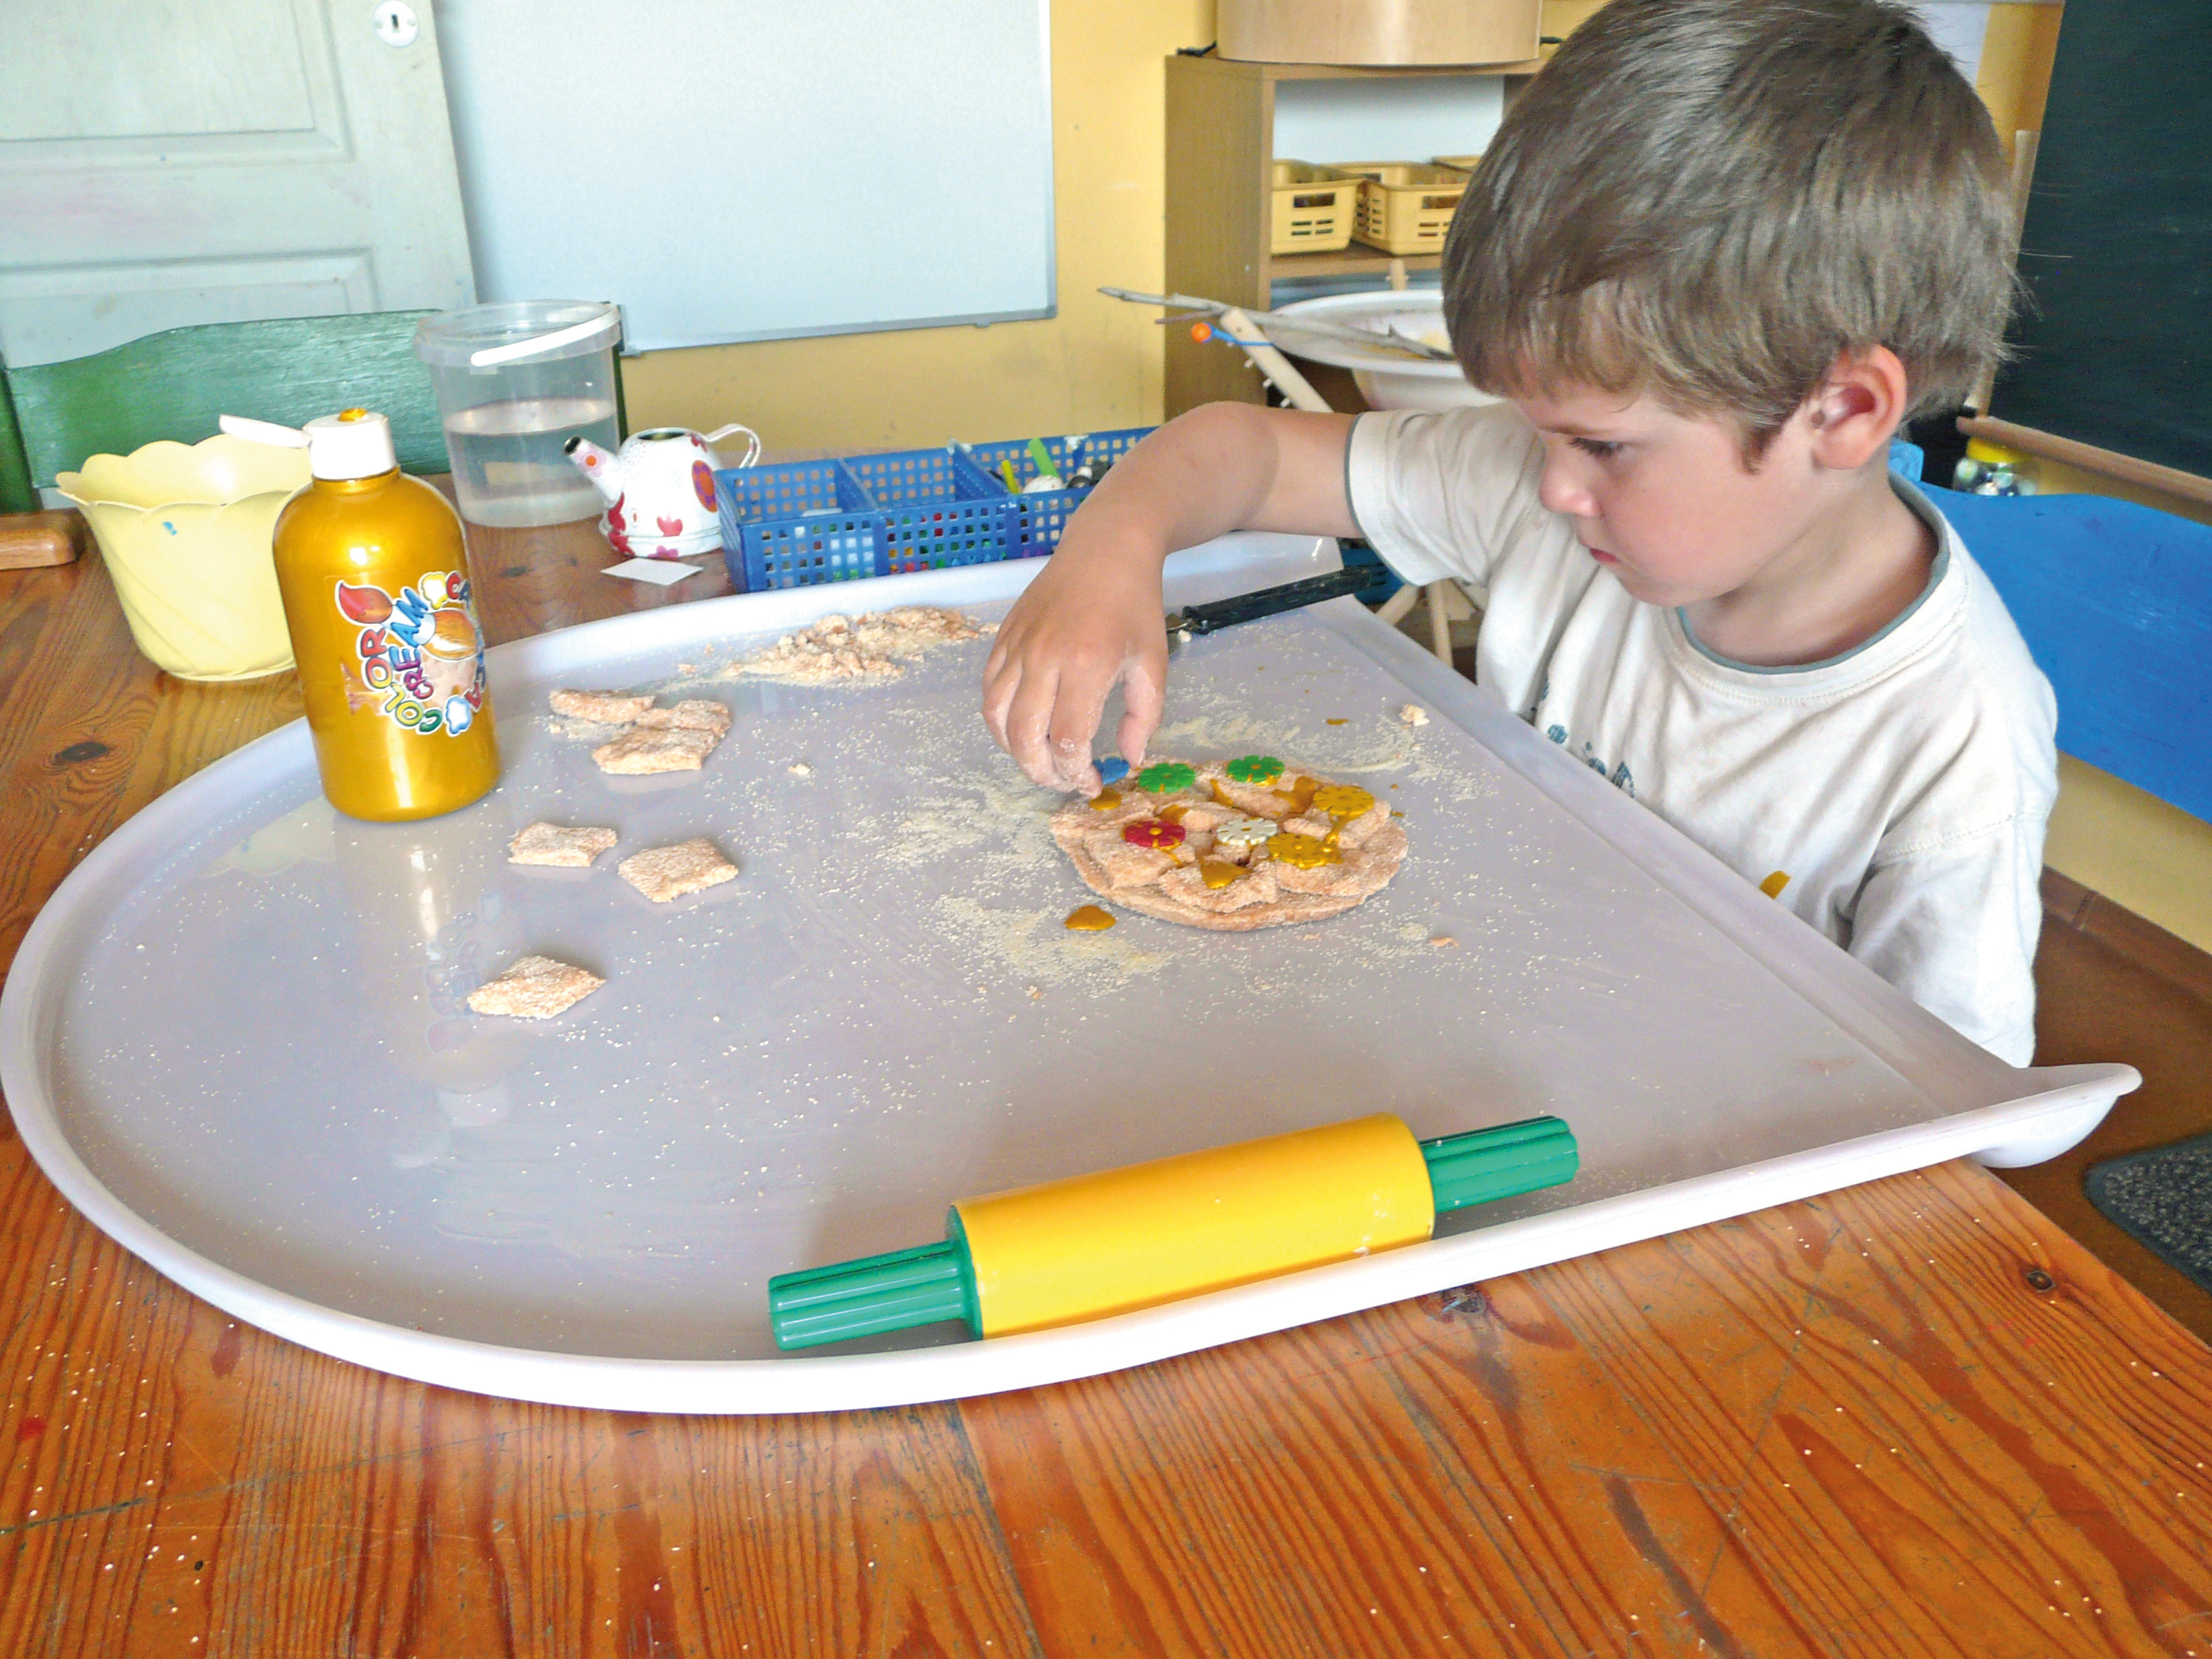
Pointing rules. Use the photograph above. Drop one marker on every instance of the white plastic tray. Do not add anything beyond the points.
(234, 1038)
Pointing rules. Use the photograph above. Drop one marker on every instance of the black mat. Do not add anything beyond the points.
(2163, 1200)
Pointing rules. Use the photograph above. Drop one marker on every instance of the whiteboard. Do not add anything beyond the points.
(755, 171)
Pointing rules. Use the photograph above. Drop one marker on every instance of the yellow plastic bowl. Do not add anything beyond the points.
(186, 532)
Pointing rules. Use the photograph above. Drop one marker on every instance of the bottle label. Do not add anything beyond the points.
(419, 658)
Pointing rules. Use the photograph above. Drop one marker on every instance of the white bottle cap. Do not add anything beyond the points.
(355, 443)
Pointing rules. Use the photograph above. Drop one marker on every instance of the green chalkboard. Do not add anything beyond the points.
(2116, 348)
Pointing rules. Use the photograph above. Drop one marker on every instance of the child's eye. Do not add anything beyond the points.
(1603, 448)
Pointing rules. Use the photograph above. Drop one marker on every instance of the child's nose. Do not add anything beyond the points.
(1562, 492)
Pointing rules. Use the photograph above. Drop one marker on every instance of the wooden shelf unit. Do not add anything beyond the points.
(1220, 156)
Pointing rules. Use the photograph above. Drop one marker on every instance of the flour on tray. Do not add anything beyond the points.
(839, 649)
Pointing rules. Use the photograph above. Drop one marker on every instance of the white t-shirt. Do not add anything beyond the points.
(1893, 797)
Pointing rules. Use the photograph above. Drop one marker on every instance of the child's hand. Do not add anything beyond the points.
(1093, 618)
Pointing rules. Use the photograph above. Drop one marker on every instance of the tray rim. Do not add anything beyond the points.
(2000, 1123)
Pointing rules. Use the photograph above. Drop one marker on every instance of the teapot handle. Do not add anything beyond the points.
(753, 446)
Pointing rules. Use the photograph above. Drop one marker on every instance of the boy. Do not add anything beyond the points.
(1718, 252)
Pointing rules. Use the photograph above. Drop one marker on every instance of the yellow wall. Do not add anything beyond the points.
(1096, 364)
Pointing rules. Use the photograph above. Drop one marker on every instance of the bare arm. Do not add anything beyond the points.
(1093, 617)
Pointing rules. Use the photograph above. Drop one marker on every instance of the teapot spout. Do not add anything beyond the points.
(603, 469)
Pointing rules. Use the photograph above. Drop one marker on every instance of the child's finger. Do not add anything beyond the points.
(1144, 697)
(1028, 721)
(1076, 713)
(1001, 679)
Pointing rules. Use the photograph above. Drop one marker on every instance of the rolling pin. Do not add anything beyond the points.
(1123, 1239)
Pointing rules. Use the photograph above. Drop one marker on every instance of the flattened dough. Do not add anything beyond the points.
(1171, 884)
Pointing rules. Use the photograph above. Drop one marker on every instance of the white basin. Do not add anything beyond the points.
(1387, 380)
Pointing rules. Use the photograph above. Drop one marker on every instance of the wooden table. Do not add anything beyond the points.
(1909, 1419)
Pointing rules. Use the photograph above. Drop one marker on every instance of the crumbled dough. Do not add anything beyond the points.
(606, 708)
(550, 843)
(641, 749)
(536, 988)
(1413, 714)
(1444, 942)
(801, 770)
(694, 714)
(865, 647)
(662, 873)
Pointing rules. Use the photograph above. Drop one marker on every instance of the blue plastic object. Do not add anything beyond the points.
(2115, 602)
(796, 525)
(1035, 522)
(1112, 769)
(939, 509)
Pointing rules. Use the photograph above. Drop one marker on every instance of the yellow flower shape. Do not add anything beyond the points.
(1342, 800)
(1301, 852)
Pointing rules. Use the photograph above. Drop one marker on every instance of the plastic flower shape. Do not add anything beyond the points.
(1254, 769)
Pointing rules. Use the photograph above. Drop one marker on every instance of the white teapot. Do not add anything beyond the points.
(659, 490)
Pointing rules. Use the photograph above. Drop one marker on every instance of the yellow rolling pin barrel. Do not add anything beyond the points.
(1110, 1243)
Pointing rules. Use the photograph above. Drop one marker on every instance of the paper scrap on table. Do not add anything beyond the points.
(661, 572)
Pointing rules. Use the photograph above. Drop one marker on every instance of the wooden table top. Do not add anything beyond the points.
(1912, 1418)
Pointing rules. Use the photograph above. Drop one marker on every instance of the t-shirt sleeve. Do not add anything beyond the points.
(1442, 493)
(1954, 927)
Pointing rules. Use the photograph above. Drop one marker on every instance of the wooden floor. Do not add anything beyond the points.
(2113, 986)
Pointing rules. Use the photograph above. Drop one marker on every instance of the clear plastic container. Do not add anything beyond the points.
(515, 382)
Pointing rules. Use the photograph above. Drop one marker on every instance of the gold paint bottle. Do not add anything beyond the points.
(374, 578)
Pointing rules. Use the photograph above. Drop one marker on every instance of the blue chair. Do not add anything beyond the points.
(2115, 601)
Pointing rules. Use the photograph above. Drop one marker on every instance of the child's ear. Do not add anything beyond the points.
(1861, 403)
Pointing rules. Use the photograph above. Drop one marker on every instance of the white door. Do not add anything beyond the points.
(173, 161)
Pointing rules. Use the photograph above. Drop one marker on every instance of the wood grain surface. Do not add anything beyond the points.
(1909, 1419)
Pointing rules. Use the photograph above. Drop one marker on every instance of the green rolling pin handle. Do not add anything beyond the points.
(1484, 1165)
(877, 1294)
(873, 1294)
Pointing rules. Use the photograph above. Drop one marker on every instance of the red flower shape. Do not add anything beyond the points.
(615, 512)
(1153, 832)
(670, 526)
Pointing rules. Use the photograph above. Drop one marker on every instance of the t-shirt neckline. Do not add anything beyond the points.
(1925, 512)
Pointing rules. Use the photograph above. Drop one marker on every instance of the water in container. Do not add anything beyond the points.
(515, 382)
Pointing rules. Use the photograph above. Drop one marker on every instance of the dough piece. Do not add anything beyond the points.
(550, 843)
(605, 707)
(536, 988)
(694, 715)
(1170, 886)
(662, 873)
(838, 649)
(644, 750)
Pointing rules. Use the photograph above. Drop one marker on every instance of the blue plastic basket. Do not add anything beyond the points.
(1035, 523)
(796, 525)
(938, 509)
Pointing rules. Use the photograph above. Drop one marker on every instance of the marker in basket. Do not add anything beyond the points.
(1048, 470)
(1123, 1239)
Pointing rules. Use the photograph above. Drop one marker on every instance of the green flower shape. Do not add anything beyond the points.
(1254, 769)
(1165, 778)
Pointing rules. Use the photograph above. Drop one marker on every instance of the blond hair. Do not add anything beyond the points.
(1710, 200)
